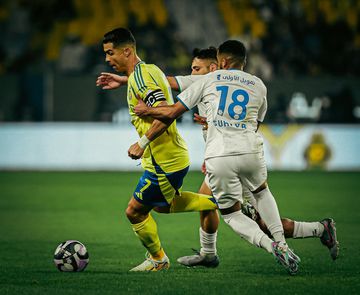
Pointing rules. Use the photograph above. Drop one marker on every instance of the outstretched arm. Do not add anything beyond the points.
(173, 83)
(110, 81)
(180, 83)
(166, 114)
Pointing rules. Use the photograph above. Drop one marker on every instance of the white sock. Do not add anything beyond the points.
(307, 229)
(248, 229)
(265, 242)
(207, 242)
(269, 212)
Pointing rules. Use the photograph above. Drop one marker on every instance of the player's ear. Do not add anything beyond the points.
(213, 67)
(127, 51)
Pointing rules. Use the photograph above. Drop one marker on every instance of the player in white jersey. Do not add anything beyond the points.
(235, 102)
(204, 61)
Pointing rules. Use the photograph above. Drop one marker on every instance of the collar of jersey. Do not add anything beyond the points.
(233, 69)
(139, 63)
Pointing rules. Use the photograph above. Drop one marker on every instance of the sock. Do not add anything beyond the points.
(148, 235)
(269, 212)
(188, 201)
(248, 229)
(265, 243)
(307, 229)
(207, 242)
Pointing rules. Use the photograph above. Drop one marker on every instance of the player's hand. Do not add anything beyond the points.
(141, 108)
(203, 168)
(135, 151)
(201, 120)
(110, 81)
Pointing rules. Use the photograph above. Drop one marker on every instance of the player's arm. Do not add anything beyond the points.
(157, 128)
(262, 109)
(173, 83)
(180, 83)
(111, 81)
(186, 100)
(164, 113)
(153, 99)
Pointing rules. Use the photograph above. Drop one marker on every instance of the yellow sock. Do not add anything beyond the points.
(148, 235)
(188, 201)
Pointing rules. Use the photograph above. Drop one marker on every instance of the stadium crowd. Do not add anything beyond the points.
(300, 38)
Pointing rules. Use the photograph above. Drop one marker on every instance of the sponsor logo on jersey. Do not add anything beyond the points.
(231, 78)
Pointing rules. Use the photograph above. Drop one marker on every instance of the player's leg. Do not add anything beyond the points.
(147, 195)
(183, 201)
(249, 208)
(324, 229)
(254, 175)
(261, 199)
(209, 221)
(227, 189)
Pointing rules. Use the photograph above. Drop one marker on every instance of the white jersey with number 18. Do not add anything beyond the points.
(234, 101)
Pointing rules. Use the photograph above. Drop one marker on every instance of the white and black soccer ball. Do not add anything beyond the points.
(71, 256)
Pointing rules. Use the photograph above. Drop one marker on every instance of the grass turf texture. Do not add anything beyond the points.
(40, 210)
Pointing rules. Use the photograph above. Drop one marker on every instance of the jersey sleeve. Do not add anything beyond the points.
(193, 95)
(184, 82)
(147, 88)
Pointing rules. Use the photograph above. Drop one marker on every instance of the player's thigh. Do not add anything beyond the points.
(252, 170)
(224, 181)
(158, 190)
(205, 186)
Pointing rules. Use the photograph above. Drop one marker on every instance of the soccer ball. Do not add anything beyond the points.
(71, 256)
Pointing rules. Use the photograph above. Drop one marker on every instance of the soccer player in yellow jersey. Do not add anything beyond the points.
(164, 153)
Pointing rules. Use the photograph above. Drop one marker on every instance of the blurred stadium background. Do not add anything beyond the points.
(307, 52)
(53, 117)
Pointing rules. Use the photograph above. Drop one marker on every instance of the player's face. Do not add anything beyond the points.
(115, 57)
(200, 66)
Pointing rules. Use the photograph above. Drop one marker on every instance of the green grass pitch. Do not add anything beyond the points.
(38, 210)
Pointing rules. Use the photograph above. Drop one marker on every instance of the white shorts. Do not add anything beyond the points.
(247, 195)
(228, 175)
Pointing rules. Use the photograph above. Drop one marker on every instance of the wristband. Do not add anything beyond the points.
(143, 142)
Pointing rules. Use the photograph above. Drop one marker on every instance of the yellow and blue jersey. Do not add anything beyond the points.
(167, 153)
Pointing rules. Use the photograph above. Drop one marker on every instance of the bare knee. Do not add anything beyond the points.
(136, 212)
(131, 214)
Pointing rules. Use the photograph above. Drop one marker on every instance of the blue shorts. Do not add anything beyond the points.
(158, 190)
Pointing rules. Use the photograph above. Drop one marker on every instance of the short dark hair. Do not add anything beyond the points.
(206, 53)
(234, 48)
(119, 36)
